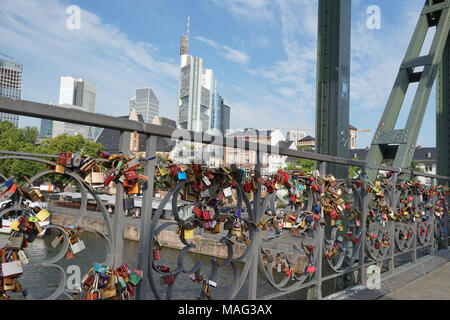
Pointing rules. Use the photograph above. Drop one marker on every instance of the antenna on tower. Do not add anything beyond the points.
(187, 33)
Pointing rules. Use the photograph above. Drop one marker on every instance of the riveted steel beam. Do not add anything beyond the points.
(406, 139)
(333, 81)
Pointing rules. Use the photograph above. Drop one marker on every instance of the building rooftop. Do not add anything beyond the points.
(109, 138)
(420, 154)
(307, 138)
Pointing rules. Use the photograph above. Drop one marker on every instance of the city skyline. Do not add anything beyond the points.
(146, 104)
(77, 94)
(265, 58)
(11, 74)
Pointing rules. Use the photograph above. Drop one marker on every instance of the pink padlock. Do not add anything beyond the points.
(207, 225)
(206, 215)
(311, 269)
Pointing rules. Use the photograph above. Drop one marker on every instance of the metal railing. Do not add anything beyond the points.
(361, 255)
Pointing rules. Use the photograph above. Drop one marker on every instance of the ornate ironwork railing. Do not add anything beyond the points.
(18, 206)
(348, 224)
(346, 245)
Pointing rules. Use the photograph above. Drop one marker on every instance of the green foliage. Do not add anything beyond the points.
(304, 165)
(71, 144)
(15, 139)
(24, 140)
(66, 143)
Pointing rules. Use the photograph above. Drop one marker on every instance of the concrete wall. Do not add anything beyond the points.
(206, 244)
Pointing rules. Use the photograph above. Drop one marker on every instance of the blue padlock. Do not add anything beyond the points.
(99, 268)
(317, 209)
(182, 175)
(7, 184)
(238, 213)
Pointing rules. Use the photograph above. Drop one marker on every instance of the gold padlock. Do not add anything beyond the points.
(60, 169)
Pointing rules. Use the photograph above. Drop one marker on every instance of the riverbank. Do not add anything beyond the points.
(205, 243)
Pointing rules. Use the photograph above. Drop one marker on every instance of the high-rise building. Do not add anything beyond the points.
(81, 93)
(10, 86)
(146, 104)
(195, 91)
(71, 129)
(220, 115)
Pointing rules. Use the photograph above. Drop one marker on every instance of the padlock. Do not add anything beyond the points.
(135, 277)
(227, 192)
(103, 154)
(76, 244)
(237, 229)
(57, 241)
(69, 255)
(206, 215)
(198, 212)
(15, 225)
(168, 279)
(131, 177)
(128, 203)
(60, 169)
(76, 160)
(188, 232)
(65, 159)
(42, 215)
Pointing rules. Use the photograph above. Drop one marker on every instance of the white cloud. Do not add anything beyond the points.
(225, 51)
(99, 52)
(256, 11)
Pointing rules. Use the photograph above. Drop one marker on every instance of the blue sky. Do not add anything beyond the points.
(263, 53)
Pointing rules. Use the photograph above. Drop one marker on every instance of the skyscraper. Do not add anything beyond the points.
(195, 91)
(10, 86)
(146, 104)
(81, 93)
(220, 113)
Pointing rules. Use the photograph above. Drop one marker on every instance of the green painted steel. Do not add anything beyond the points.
(399, 145)
(333, 81)
(443, 114)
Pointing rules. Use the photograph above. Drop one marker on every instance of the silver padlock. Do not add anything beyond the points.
(76, 160)
(23, 258)
(77, 246)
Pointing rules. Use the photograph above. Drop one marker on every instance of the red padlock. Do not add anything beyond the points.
(206, 215)
(197, 211)
(131, 177)
(104, 155)
(169, 279)
(156, 254)
(65, 159)
(108, 180)
(174, 170)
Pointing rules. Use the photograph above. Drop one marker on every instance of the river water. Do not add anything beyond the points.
(41, 281)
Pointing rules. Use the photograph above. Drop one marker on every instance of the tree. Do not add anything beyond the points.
(304, 165)
(71, 144)
(15, 139)
(30, 134)
(23, 140)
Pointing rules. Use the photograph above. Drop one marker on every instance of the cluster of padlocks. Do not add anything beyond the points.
(105, 283)
(332, 206)
(119, 168)
(24, 230)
